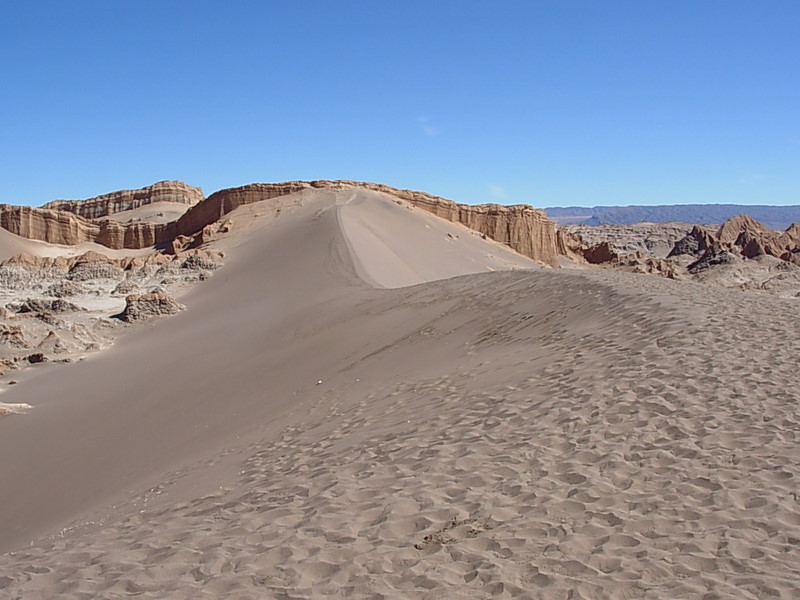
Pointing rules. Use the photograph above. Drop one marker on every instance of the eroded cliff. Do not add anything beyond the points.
(521, 227)
(108, 204)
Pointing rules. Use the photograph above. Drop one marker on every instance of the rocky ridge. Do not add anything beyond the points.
(740, 253)
(521, 227)
(653, 239)
(120, 201)
(774, 217)
(644, 247)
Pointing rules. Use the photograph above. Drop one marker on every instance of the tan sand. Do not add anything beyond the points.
(300, 433)
(157, 212)
(11, 244)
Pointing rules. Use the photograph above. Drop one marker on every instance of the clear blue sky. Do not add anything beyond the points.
(551, 103)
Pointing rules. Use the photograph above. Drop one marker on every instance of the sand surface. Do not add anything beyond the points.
(11, 244)
(157, 212)
(301, 431)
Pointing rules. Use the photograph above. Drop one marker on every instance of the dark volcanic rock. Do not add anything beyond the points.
(712, 259)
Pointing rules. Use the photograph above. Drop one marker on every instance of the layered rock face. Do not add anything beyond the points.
(108, 204)
(52, 226)
(61, 227)
(521, 227)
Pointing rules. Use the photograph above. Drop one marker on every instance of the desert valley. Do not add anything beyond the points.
(343, 389)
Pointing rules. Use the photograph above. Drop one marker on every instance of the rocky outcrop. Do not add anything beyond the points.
(147, 306)
(92, 265)
(12, 336)
(521, 227)
(64, 289)
(109, 204)
(697, 241)
(52, 226)
(570, 245)
(53, 344)
(651, 239)
(59, 227)
(712, 258)
(43, 305)
(739, 236)
(601, 253)
(722, 257)
(61, 308)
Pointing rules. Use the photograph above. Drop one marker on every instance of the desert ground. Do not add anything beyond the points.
(367, 401)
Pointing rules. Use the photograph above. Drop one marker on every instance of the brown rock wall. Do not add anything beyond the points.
(521, 227)
(108, 204)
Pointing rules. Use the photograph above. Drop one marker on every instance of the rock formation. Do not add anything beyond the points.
(53, 344)
(13, 336)
(108, 204)
(745, 237)
(61, 308)
(697, 241)
(521, 227)
(147, 306)
(600, 253)
(652, 239)
(741, 253)
(710, 259)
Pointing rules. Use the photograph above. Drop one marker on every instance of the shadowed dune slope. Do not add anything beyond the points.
(394, 244)
(286, 312)
(299, 433)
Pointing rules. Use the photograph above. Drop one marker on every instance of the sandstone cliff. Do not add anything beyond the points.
(108, 204)
(60, 227)
(521, 227)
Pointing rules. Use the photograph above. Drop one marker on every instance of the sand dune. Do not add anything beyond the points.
(11, 245)
(157, 212)
(394, 244)
(303, 431)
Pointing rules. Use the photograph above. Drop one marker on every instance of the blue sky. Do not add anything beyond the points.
(551, 103)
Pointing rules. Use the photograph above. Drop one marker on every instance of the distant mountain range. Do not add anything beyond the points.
(774, 217)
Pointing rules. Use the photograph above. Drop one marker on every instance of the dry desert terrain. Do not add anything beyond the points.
(370, 401)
